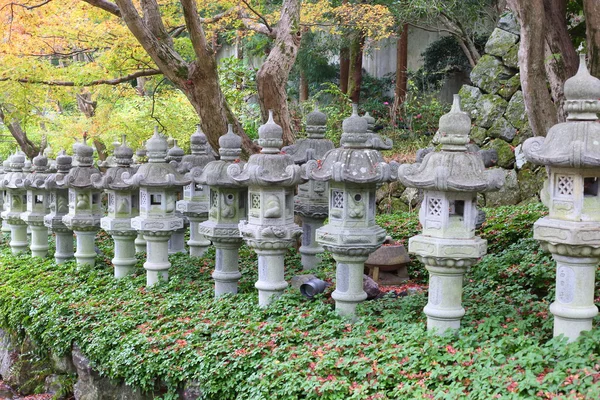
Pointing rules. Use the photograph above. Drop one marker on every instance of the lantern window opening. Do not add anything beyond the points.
(255, 201)
(214, 197)
(229, 198)
(434, 207)
(289, 204)
(337, 199)
(565, 185)
(111, 200)
(590, 186)
(95, 198)
(155, 199)
(457, 208)
(24, 199)
(38, 199)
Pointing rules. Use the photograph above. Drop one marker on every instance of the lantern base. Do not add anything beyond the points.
(310, 249)
(39, 241)
(64, 247)
(18, 238)
(124, 259)
(177, 242)
(198, 243)
(271, 282)
(227, 273)
(85, 253)
(349, 283)
(140, 243)
(157, 261)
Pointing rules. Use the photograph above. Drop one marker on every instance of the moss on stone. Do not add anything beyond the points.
(506, 156)
(489, 108)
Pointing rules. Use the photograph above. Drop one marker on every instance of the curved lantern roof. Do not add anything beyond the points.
(215, 173)
(40, 172)
(79, 177)
(315, 145)
(112, 179)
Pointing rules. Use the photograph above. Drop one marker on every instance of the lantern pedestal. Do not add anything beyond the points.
(227, 273)
(157, 261)
(86, 250)
(39, 241)
(177, 242)
(198, 243)
(64, 246)
(349, 283)
(140, 243)
(18, 237)
(310, 249)
(124, 259)
(271, 282)
(5, 228)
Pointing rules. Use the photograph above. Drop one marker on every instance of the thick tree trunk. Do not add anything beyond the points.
(355, 72)
(401, 70)
(303, 89)
(344, 68)
(272, 77)
(538, 102)
(591, 9)
(27, 146)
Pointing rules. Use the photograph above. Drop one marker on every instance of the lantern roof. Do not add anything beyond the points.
(39, 173)
(315, 146)
(79, 177)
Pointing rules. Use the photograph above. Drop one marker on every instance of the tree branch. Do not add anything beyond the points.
(114, 81)
(263, 19)
(106, 6)
(11, 5)
(194, 27)
(153, 20)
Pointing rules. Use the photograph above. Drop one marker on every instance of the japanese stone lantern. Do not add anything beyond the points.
(38, 205)
(353, 172)
(571, 231)
(16, 203)
(177, 241)
(140, 157)
(271, 177)
(311, 203)
(85, 208)
(122, 207)
(158, 183)
(4, 168)
(450, 180)
(56, 186)
(195, 202)
(227, 209)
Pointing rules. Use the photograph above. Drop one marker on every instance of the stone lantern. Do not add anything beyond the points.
(140, 157)
(311, 203)
(195, 201)
(4, 169)
(353, 172)
(122, 207)
(15, 203)
(85, 208)
(227, 209)
(571, 231)
(56, 186)
(271, 177)
(450, 180)
(174, 157)
(38, 205)
(159, 183)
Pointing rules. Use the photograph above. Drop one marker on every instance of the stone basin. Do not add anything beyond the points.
(388, 259)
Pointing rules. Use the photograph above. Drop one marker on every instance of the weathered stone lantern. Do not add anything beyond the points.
(571, 231)
(16, 203)
(4, 169)
(227, 209)
(450, 180)
(85, 208)
(140, 157)
(174, 157)
(311, 203)
(271, 177)
(56, 186)
(195, 202)
(353, 172)
(122, 207)
(38, 205)
(158, 182)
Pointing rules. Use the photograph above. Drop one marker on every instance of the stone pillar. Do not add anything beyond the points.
(226, 273)
(157, 261)
(86, 248)
(140, 243)
(349, 283)
(177, 242)
(198, 243)
(18, 237)
(124, 259)
(310, 249)
(39, 241)
(271, 282)
(64, 246)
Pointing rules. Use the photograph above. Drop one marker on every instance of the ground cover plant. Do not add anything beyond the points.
(158, 338)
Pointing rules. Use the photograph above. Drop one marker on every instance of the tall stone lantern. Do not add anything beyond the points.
(122, 207)
(227, 209)
(353, 172)
(140, 157)
(16, 203)
(4, 169)
(450, 180)
(85, 208)
(195, 202)
(174, 157)
(311, 203)
(571, 231)
(158, 183)
(56, 186)
(271, 178)
(38, 205)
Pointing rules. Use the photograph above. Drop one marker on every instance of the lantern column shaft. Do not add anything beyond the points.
(198, 243)
(64, 246)
(124, 260)
(349, 283)
(574, 307)
(227, 273)
(39, 241)
(271, 282)
(177, 242)
(157, 261)
(140, 243)
(18, 238)
(86, 250)
(310, 249)
(444, 310)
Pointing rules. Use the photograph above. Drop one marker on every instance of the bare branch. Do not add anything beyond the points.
(114, 81)
(11, 5)
(194, 27)
(263, 19)
(106, 6)
(153, 20)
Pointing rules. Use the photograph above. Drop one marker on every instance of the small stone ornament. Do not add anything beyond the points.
(353, 172)
(122, 206)
(15, 202)
(227, 209)
(158, 182)
(271, 177)
(450, 180)
(571, 154)
(311, 202)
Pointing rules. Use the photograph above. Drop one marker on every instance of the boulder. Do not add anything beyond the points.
(508, 22)
(506, 156)
(411, 196)
(489, 108)
(531, 182)
(500, 42)
(511, 58)
(469, 95)
(510, 86)
(509, 194)
(490, 74)
(370, 287)
(478, 135)
(489, 157)
(502, 129)
(515, 112)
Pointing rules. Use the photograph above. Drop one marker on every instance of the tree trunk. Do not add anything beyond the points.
(401, 71)
(85, 104)
(355, 72)
(558, 42)
(100, 149)
(303, 87)
(27, 146)
(272, 77)
(344, 68)
(591, 9)
(140, 86)
(538, 102)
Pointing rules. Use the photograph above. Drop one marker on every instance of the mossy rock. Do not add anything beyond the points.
(490, 107)
(531, 182)
(391, 205)
(515, 111)
(506, 156)
(508, 22)
(509, 194)
(469, 96)
(478, 135)
(502, 129)
(490, 74)
(510, 87)
(500, 42)
(511, 58)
